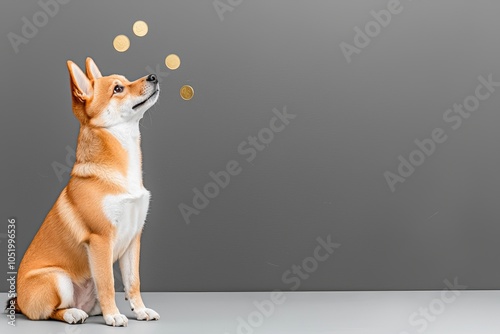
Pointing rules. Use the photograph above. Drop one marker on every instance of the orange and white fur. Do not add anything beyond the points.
(67, 272)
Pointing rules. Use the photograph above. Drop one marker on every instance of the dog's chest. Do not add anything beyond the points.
(127, 211)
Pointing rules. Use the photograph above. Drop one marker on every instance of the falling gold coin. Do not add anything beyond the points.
(173, 61)
(187, 92)
(140, 28)
(121, 43)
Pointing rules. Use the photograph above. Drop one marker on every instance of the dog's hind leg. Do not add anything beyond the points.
(49, 293)
(70, 315)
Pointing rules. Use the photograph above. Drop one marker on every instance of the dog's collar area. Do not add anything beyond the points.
(146, 100)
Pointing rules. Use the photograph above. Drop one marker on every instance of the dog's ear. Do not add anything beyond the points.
(92, 69)
(80, 84)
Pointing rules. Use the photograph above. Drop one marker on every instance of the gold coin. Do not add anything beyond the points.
(187, 92)
(121, 43)
(140, 28)
(173, 61)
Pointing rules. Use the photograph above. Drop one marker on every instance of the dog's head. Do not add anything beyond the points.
(105, 101)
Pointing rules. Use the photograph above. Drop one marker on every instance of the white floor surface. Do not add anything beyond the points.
(403, 312)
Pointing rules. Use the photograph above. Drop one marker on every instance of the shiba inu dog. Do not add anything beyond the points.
(67, 272)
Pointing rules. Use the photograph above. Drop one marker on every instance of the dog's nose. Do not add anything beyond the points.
(152, 78)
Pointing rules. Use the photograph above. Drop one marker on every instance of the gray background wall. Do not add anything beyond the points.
(323, 175)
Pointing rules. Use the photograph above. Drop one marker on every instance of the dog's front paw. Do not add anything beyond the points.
(116, 320)
(146, 314)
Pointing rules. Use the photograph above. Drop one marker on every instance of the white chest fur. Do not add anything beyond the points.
(127, 211)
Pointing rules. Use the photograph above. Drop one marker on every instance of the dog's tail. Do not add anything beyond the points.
(12, 305)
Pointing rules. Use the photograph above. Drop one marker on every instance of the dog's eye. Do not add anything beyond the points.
(118, 89)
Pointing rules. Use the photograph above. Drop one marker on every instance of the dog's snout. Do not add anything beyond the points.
(152, 78)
